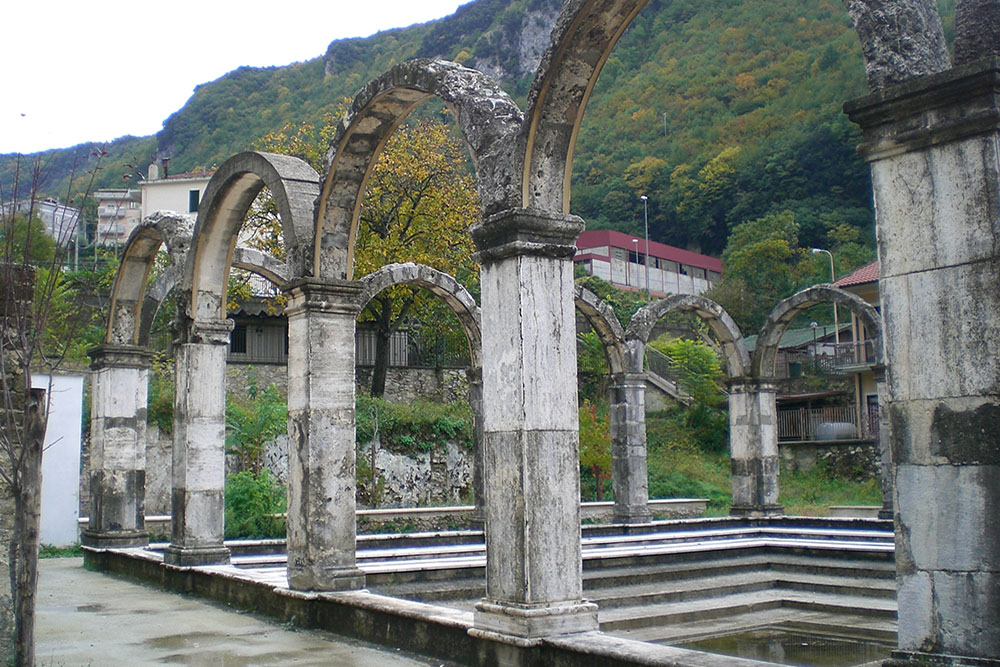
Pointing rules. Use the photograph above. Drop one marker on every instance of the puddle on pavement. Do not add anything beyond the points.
(187, 640)
(794, 648)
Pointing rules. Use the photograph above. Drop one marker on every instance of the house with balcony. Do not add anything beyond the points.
(626, 262)
(118, 213)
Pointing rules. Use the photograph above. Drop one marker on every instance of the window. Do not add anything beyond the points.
(193, 196)
(238, 341)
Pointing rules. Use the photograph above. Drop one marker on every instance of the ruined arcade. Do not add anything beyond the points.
(932, 137)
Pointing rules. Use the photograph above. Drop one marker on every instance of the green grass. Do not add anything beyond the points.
(49, 551)
(681, 468)
(810, 493)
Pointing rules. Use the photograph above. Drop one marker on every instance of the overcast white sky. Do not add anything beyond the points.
(73, 71)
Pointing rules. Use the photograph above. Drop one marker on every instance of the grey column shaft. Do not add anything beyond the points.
(475, 378)
(531, 431)
(934, 148)
(321, 454)
(199, 448)
(118, 447)
(627, 416)
(753, 438)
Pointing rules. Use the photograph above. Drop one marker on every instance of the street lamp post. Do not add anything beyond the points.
(635, 246)
(833, 278)
(645, 219)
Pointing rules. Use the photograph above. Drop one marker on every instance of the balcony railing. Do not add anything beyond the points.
(838, 422)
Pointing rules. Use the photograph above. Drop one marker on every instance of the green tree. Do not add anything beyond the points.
(25, 238)
(762, 264)
(595, 445)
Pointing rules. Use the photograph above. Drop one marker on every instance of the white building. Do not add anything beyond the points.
(181, 193)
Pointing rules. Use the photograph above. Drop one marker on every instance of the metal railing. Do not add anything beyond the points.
(836, 422)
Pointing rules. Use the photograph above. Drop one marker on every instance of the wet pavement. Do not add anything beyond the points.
(89, 618)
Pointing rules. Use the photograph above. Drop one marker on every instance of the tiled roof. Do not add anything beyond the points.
(607, 237)
(866, 274)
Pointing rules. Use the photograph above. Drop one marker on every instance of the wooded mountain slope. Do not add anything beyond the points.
(720, 110)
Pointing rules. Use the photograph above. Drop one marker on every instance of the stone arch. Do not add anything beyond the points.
(228, 196)
(585, 33)
(132, 305)
(725, 330)
(606, 325)
(766, 351)
(438, 283)
(488, 118)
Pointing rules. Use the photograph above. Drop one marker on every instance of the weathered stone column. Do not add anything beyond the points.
(627, 417)
(753, 438)
(475, 379)
(118, 446)
(199, 451)
(934, 148)
(321, 458)
(533, 569)
(885, 468)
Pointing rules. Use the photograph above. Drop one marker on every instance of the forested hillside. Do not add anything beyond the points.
(721, 111)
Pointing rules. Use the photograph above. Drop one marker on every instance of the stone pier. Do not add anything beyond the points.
(933, 144)
(534, 585)
(118, 446)
(753, 437)
(627, 407)
(321, 527)
(199, 452)
(475, 379)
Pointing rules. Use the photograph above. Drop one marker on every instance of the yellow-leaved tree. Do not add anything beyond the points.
(420, 201)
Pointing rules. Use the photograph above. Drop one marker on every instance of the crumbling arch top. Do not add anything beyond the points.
(128, 317)
(292, 183)
(438, 283)
(606, 325)
(723, 328)
(487, 117)
(586, 31)
(766, 351)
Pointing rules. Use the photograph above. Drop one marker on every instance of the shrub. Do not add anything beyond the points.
(252, 501)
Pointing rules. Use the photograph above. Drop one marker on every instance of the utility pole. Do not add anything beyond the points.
(833, 278)
(645, 218)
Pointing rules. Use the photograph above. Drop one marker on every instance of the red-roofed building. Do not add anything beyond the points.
(621, 260)
(857, 358)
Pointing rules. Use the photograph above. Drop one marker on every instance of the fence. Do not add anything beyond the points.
(837, 422)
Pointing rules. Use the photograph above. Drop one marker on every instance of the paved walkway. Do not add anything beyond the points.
(88, 618)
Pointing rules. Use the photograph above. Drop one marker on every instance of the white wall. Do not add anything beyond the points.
(61, 458)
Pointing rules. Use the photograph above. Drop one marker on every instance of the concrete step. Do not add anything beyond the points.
(816, 622)
(613, 619)
(643, 591)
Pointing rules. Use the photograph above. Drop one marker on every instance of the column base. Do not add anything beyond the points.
(114, 539)
(756, 511)
(528, 625)
(325, 579)
(908, 658)
(632, 515)
(190, 556)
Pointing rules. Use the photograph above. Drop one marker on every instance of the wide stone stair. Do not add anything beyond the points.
(682, 580)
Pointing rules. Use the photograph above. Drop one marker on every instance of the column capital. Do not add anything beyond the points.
(526, 231)
(326, 296)
(628, 378)
(474, 374)
(109, 355)
(929, 110)
(745, 384)
(205, 332)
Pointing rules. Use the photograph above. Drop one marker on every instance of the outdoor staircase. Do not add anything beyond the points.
(668, 582)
